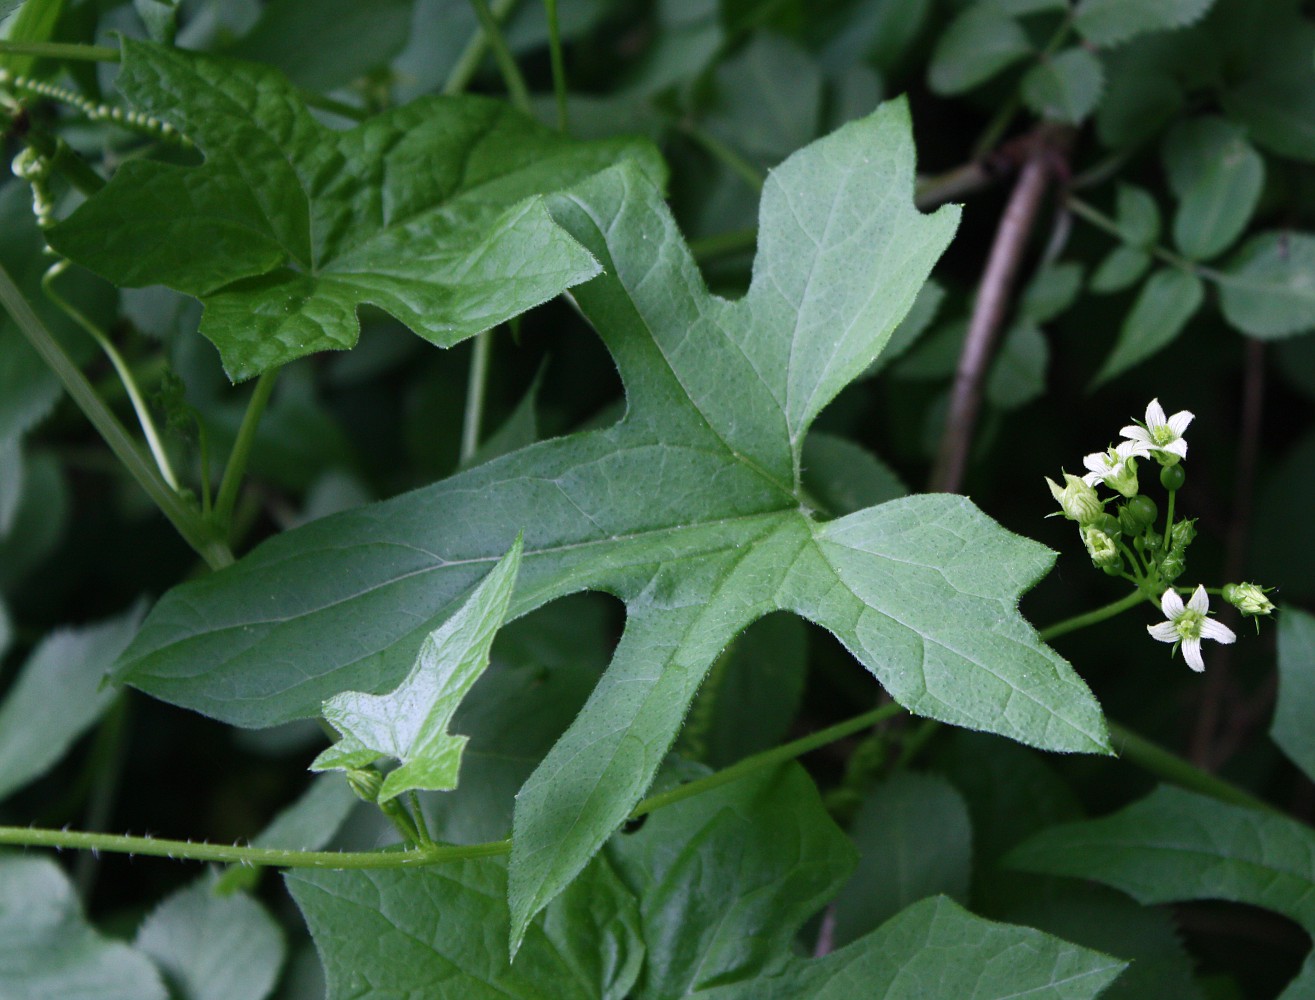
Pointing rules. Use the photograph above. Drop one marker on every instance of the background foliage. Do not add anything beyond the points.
(731, 381)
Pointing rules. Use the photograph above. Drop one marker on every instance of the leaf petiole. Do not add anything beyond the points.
(1092, 617)
(237, 459)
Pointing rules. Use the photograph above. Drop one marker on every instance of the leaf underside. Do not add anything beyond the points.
(688, 509)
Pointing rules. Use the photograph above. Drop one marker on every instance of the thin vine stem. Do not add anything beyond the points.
(241, 453)
(558, 63)
(185, 519)
(476, 389)
(468, 62)
(60, 50)
(511, 74)
(121, 368)
(1089, 213)
(1092, 617)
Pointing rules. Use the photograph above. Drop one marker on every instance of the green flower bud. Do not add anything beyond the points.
(1078, 500)
(1101, 546)
(1249, 598)
(1173, 476)
(365, 782)
(1172, 566)
(1138, 514)
(1181, 535)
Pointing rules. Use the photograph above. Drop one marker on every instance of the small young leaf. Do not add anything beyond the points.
(410, 723)
(1167, 301)
(1066, 87)
(1018, 373)
(440, 933)
(1110, 22)
(1217, 178)
(1121, 268)
(914, 840)
(976, 46)
(59, 693)
(1051, 292)
(213, 947)
(1295, 708)
(1137, 216)
(47, 949)
(1268, 286)
(429, 211)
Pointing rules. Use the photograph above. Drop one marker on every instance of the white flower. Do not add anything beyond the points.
(1189, 625)
(1162, 435)
(1115, 466)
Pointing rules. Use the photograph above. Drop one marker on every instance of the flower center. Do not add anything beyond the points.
(1188, 624)
(1163, 434)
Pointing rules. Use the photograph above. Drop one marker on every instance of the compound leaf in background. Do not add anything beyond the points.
(1217, 177)
(1109, 22)
(429, 211)
(1166, 302)
(213, 947)
(439, 932)
(59, 693)
(411, 722)
(688, 510)
(1176, 845)
(1295, 706)
(1065, 87)
(47, 949)
(1268, 287)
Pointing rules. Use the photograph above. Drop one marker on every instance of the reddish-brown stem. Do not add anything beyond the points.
(1207, 750)
(988, 314)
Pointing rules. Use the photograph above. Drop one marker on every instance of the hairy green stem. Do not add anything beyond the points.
(768, 758)
(1158, 761)
(184, 518)
(1092, 617)
(237, 459)
(558, 64)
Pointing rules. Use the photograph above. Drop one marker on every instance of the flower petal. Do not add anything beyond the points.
(1136, 433)
(1163, 632)
(1192, 654)
(1133, 449)
(1092, 478)
(1218, 631)
(1179, 421)
(1155, 415)
(1199, 601)
(1171, 604)
(1178, 448)
(1096, 462)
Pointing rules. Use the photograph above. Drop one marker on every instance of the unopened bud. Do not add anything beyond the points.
(1248, 598)
(1077, 499)
(1102, 547)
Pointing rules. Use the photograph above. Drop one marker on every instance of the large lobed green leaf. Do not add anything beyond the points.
(430, 211)
(1296, 694)
(689, 510)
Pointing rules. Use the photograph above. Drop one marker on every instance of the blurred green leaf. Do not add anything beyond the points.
(428, 211)
(1217, 178)
(48, 950)
(845, 477)
(1018, 373)
(1268, 286)
(914, 840)
(1295, 706)
(1065, 87)
(1051, 292)
(976, 46)
(213, 947)
(1122, 268)
(1110, 22)
(1166, 302)
(59, 693)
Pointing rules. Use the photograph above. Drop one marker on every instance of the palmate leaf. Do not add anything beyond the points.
(411, 722)
(429, 211)
(689, 510)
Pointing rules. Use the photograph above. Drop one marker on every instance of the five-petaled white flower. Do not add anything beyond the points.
(1189, 625)
(1115, 466)
(1162, 435)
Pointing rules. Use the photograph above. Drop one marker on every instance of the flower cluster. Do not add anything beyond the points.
(1126, 542)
